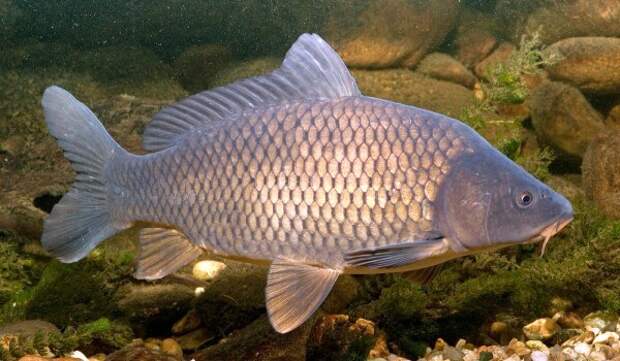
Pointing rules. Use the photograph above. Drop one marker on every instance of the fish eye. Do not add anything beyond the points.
(525, 199)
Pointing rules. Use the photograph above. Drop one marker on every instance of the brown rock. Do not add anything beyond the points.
(601, 172)
(564, 19)
(541, 329)
(412, 88)
(197, 66)
(474, 39)
(563, 118)
(613, 118)
(374, 39)
(589, 63)
(498, 56)
(516, 347)
(27, 329)
(171, 347)
(444, 67)
(258, 341)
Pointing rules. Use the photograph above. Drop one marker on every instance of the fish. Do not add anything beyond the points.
(295, 169)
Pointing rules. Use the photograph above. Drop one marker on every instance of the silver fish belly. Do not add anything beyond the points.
(299, 170)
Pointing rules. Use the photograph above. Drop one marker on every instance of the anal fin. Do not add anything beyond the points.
(295, 291)
(163, 251)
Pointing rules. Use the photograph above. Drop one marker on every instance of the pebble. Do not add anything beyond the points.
(518, 348)
(605, 321)
(539, 356)
(570, 353)
(170, 347)
(582, 348)
(541, 329)
(537, 345)
(607, 338)
(207, 270)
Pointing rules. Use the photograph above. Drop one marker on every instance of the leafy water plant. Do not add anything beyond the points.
(505, 85)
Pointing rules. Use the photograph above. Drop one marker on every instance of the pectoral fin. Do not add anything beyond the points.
(163, 251)
(397, 255)
(295, 291)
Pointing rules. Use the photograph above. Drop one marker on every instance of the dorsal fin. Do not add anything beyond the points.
(311, 69)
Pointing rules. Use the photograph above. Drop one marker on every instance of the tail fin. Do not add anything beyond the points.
(81, 219)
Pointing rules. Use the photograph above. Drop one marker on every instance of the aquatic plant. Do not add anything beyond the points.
(505, 85)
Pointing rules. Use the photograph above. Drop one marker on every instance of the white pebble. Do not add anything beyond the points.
(78, 355)
(582, 348)
(607, 337)
(539, 356)
(570, 353)
(198, 291)
(207, 270)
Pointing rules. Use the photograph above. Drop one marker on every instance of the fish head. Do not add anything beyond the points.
(487, 201)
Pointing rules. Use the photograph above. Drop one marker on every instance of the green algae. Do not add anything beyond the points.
(17, 270)
(71, 294)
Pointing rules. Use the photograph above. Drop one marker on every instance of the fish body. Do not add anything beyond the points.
(308, 181)
(300, 170)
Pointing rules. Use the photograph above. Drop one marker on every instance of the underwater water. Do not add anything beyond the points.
(538, 79)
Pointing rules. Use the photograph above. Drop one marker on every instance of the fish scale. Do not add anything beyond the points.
(307, 180)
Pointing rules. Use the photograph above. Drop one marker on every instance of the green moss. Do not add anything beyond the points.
(17, 270)
(403, 299)
(71, 294)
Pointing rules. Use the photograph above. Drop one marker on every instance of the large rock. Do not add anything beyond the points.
(412, 88)
(25, 330)
(154, 306)
(563, 118)
(601, 172)
(389, 33)
(564, 19)
(234, 299)
(444, 67)
(557, 20)
(590, 63)
(259, 341)
(499, 56)
(474, 38)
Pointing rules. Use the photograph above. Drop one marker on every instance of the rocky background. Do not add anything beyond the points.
(539, 78)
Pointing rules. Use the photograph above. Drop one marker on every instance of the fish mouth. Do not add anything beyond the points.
(551, 230)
